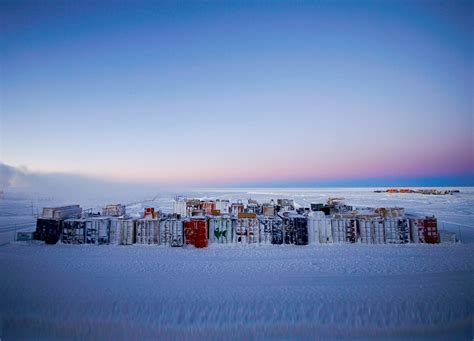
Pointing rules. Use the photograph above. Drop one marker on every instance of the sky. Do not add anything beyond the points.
(239, 93)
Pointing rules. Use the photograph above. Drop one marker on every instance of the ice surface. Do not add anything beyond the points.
(236, 292)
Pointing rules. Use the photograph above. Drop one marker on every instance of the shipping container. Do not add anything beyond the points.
(180, 207)
(371, 230)
(424, 230)
(319, 228)
(344, 230)
(147, 231)
(246, 229)
(220, 229)
(149, 212)
(24, 236)
(97, 230)
(397, 230)
(295, 229)
(286, 204)
(115, 210)
(236, 208)
(390, 212)
(268, 210)
(122, 231)
(74, 231)
(195, 232)
(48, 230)
(208, 206)
(171, 232)
(223, 206)
(271, 230)
(62, 212)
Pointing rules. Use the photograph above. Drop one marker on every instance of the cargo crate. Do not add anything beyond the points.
(397, 230)
(48, 230)
(122, 231)
(344, 230)
(295, 229)
(62, 212)
(424, 230)
(319, 228)
(73, 231)
(97, 231)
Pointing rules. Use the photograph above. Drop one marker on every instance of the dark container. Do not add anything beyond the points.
(73, 231)
(316, 207)
(48, 230)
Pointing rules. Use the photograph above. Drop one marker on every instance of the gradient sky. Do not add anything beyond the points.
(226, 93)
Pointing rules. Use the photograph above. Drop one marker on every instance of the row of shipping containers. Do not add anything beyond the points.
(245, 228)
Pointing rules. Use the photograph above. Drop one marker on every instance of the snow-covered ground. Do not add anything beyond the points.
(236, 292)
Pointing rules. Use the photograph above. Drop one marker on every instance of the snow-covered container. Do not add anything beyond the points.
(424, 230)
(397, 230)
(48, 230)
(223, 206)
(97, 230)
(271, 230)
(295, 227)
(122, 231)
(220, 229)
(371, 230)
(180, 207)
(147, 231)
(62, 212)
(172, 232)
(344, 230)
(246, 229)
(195, 232)
(114, 210)
(73, 231)
(208, 206)
(319, 228)
(236, 208)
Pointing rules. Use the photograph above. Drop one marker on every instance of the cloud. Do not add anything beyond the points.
(64, 186)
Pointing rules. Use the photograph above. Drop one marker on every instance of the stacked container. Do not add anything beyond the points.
(147, 231)
(73, 231)
(246, 229)
(97, 231)
(208, 206)
(220, 229)
(223, 206)
(319, 228)
(396, 230)
(371, 230)
(115, 210)
(295, 229)
(195, 232)
(424, 230)
(271, 230)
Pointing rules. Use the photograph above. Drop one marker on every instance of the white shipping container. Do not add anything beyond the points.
(62, 212)
(220, 229)
(171, 232)
(396, 230)
(246, 231)
(319, 228)
(97, 231)
(122, 231)
(416, 230)
(344, 230)
(147, 231)
(223, 206)
(179, 207)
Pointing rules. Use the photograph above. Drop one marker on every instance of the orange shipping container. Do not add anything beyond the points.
(195, 233)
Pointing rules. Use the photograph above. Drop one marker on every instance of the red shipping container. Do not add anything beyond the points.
(195, 233)
(431, 231)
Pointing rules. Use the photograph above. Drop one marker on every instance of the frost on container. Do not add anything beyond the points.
(73, 231)
(122, 231)
(295, 229)
(319, 228)
(195, 232)
(180, 206)
(271, 230)
(371, 230)
(246, 229)
(97, 231)
(424, 230)
(397, 230)
(172, 232)
(220, 229)
(62, 212)
(223, 205)
(147, 231)
(115, 210)
(344, 230)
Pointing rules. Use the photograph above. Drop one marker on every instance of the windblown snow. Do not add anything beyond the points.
(236, 292)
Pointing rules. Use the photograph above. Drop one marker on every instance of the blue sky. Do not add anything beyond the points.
(222, 93)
